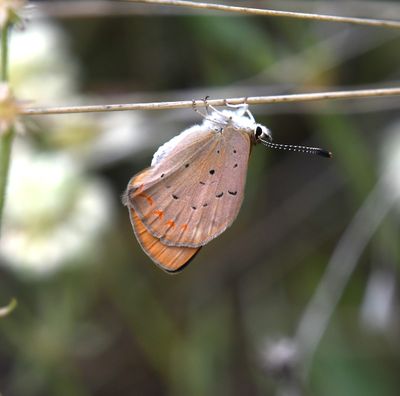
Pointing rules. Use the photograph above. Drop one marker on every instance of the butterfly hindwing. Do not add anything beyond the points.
(169, 258)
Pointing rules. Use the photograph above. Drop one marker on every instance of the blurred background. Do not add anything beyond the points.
(299, 296)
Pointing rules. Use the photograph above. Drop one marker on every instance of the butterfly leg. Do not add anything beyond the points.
(208, 107)
(248, 112)
(207, 116)
(217, 111)
(194, 106)
(243, 105)
(242, 109)
(205, 100)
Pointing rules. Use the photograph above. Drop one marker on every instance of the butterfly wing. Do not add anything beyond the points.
(169, 258)
(195, 191)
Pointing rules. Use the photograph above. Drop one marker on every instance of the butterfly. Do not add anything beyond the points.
(194, 188)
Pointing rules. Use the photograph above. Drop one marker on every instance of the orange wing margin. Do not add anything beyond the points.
(169, 258)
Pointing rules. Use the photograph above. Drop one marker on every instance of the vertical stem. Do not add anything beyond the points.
(7, 138)
(4, 53)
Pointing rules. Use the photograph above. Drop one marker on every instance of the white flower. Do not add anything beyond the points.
(54, 214)
(43, 72)
(41, 67)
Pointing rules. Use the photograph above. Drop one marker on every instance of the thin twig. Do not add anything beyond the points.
(273, 13)
(66, 9)
(305, 97)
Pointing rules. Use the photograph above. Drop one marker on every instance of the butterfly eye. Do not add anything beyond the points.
(262, 133)
(259, 131)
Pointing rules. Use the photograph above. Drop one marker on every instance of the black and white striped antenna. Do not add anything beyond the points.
(301, 149)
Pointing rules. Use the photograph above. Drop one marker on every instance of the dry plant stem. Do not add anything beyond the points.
(7, 138)
(273, 13)
(320, 309)
(306, 97)
(105, 8)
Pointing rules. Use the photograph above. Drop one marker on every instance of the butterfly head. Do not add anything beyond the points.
(261, 133)
(241, 119)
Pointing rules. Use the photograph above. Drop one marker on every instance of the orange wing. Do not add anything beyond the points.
(169, 258)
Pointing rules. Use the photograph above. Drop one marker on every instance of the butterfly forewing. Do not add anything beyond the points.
(199, 196)
(168, 161)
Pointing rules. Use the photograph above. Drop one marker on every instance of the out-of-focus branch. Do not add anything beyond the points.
(273, 13)
(344, 260)
(109, 9)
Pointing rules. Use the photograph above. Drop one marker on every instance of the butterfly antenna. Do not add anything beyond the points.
(302, 149)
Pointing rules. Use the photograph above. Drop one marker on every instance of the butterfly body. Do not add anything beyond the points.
(194, 187)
